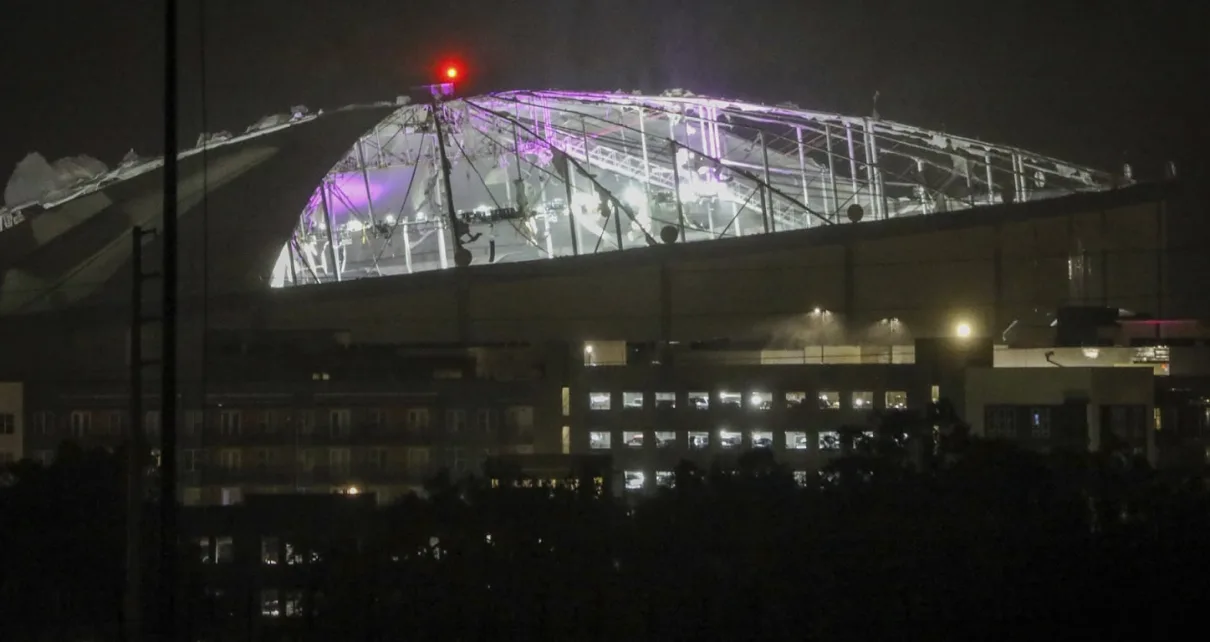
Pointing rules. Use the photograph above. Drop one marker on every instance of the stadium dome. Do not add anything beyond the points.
(357, 192)
(545, 174)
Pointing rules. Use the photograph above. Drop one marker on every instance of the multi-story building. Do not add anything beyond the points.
(263, 564)
(384, 421)
(356, 424)
(12, 422)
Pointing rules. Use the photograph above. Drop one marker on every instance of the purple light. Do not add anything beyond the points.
(347, 197)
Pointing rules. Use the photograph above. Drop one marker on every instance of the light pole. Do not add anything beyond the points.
(168, 358)
(462, 256)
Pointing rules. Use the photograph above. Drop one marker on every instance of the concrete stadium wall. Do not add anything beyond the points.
(987, 267)
(245, 198)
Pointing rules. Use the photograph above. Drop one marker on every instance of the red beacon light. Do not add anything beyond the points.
(447, 75)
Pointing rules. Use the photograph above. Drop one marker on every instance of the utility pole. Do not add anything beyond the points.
(136, 445)
(168, 358)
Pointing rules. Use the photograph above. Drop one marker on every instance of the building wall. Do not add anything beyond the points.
(1099, 357)
(658, 416)
(987, 269)
(12, 422)
(1094, 389)
(310, 436)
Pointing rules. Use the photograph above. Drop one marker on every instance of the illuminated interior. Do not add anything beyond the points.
(546, 174)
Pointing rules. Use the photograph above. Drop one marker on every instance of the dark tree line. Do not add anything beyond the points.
(977, 540)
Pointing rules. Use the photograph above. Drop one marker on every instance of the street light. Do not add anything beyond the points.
(963, 330)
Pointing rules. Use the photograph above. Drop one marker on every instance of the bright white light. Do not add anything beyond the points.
(588, 349)
(963, 330)
(1091, 353)
(634, 196)
(390, 219)
(281, 269)
(352, 490)
(355, 225)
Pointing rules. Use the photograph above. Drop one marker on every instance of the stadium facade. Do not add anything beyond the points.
(341, 328)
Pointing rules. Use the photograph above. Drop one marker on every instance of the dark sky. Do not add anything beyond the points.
(1096, 82)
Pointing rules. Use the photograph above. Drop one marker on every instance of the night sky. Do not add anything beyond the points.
(1127, 80)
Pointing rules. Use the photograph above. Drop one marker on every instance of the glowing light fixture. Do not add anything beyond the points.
(963, 330)
(451, 72)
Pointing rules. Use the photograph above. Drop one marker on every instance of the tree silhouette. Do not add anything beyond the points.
(914, 538)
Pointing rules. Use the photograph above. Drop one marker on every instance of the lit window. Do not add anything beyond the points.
(935, 393)
(896, 400)
(795, 399)
(761, 401)
(665, 439)
(665, 400)
(633, 439)
(829, 440)
(598, 401)
(634, 479)
(762, 440)
(796, 441)
(294, 555)
(293, 603)
(730, 439)
(599, 440)
(269, 551)
(829, 400)
(863, 400)
(566, 401)
(224, 550)
(729, 399)
(699, 440)
(269, 603)
(1039, 423)
(665, 478)
(632, 400)
(205, 550)
(699, 400)
(801, 477)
